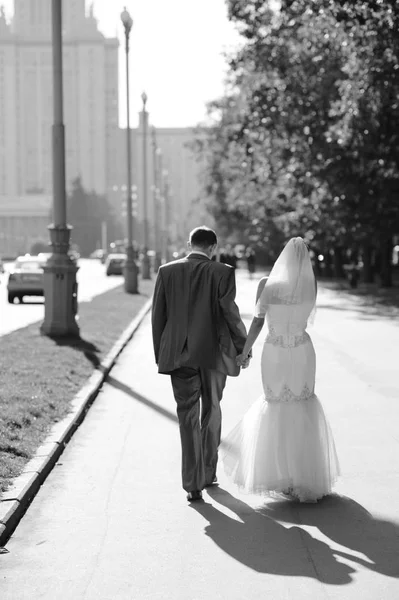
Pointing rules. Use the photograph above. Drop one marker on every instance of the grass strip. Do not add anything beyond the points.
(39, 376)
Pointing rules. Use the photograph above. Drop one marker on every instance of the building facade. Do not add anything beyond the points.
(23, 221)
(181, 208)
(95, 145)
(90, 77)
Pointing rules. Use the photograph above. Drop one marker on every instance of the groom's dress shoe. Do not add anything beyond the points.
(194, 495)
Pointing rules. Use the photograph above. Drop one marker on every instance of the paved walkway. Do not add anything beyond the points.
(111, 522)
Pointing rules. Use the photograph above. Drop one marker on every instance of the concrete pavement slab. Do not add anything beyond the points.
(46, 449)
(111, 521)
(26, 483)
(7, 511)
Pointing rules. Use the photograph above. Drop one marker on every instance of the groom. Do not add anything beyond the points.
(197, 333)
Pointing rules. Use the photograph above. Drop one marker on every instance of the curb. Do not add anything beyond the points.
(16, 500)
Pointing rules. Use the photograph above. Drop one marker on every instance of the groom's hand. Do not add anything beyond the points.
(246, 362)
(243, 361)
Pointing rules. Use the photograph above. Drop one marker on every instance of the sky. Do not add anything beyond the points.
(176, 55)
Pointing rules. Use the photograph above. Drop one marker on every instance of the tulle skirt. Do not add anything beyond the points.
(282, 447)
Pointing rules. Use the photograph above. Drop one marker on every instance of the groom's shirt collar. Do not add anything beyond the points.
(198, 252)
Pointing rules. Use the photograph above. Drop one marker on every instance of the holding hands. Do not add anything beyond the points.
(243, 360)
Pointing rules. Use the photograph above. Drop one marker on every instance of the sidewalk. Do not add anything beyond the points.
(112, 523)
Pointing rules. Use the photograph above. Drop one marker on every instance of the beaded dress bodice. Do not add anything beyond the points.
(289, 369)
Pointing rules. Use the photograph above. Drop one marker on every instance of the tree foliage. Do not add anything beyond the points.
(305, 142)
(39, 246)
(86, 213)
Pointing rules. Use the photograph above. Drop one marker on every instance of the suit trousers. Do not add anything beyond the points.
(198, 393)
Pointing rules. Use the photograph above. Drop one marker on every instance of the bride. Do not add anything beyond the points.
(284, 443)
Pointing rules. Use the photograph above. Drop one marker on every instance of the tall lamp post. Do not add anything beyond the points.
(130, 270)
(146, 258)
(161, 177)
(60, 287)
(156, 202)
(166, 211)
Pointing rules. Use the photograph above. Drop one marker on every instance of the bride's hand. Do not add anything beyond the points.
(243, 360)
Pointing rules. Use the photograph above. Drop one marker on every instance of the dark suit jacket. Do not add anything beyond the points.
(195, 320)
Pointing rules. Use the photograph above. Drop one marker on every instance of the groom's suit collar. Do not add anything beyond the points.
(197, 255)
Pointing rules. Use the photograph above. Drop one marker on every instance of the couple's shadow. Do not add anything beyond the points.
(259, 541)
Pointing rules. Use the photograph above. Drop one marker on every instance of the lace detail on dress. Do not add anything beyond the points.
(275, 300)
(286, 395)
(287, 340)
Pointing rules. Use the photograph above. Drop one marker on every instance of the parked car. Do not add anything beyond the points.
(44, 256)
(114, 264)
(26, 278)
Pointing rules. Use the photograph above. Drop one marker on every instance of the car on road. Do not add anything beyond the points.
(114, 264)
(44, 256)
(26, 278)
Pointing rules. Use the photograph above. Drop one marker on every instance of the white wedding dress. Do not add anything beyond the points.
(284, 443)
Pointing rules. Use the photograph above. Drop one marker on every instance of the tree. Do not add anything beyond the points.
(311, 116)
(86, 213)
(368, 121)
(39, 246)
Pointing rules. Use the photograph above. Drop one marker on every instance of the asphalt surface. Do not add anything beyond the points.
(92, 281)
(112, 523)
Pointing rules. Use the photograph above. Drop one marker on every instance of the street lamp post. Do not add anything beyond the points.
(130, 270)
(156, 194)
(60, 287)
(161, 176)
(146, 258)
(166, 201)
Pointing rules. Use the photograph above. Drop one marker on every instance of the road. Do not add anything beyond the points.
(111, 522)
(92, 281)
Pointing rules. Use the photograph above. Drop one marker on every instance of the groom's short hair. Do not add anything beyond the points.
(203, 237)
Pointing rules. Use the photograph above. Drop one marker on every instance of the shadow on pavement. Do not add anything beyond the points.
(370, 301)
(133, 394)
(259, 542)
(88, 349)
(348, 524)
(365, 311)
